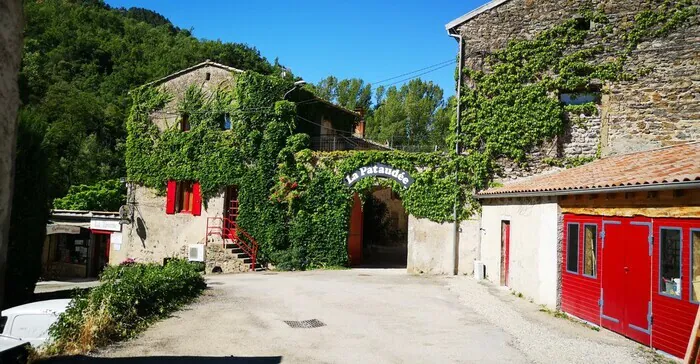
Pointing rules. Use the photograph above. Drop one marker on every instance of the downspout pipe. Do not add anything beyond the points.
(458, 128)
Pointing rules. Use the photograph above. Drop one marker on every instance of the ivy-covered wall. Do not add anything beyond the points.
(292, 200)
(636, 58)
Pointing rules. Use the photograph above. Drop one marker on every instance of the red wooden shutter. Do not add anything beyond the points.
(197, 200)
(170, 199)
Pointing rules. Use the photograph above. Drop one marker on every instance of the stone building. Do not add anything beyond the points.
(162, 227)
(659, 108)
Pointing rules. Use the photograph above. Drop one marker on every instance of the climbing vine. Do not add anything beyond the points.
(292, 200)
(512, 103)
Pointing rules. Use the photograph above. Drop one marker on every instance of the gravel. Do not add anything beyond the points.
(540, 336)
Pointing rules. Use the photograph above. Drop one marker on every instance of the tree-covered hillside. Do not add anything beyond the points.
(80, 60)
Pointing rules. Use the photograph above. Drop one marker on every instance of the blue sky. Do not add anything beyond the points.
(372, 40)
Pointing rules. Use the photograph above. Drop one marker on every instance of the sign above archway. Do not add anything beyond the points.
(379, 170)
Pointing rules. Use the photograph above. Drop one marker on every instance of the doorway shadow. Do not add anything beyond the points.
(165, 359)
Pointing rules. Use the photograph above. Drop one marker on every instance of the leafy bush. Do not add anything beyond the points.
(130, 298)
(102, 196)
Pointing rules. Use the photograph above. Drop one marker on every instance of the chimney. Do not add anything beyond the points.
(360, 126)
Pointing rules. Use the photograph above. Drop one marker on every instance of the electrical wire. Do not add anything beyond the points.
(449, 61)
(420, 74)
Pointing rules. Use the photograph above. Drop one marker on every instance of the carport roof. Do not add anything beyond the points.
(670, 167)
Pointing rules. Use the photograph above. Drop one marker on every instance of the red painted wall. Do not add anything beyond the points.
(672, 317)
(580, 294)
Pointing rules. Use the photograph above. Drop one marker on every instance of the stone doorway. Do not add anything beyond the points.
(378, 231)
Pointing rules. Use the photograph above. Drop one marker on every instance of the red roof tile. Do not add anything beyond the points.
(680, 163)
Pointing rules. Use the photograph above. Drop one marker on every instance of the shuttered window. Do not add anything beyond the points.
(183, 197)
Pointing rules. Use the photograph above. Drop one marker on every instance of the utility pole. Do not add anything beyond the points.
(455, 237)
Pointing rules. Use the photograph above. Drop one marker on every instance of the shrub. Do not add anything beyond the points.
(128, 300)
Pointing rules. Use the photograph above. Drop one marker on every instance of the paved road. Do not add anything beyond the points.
(371, 316)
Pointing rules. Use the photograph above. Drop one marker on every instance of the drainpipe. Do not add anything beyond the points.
(455, 237)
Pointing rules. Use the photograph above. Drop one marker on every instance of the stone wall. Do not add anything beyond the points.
(659, 109)
(177, 86)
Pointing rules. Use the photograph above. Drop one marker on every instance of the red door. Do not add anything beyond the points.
(626, 279)
(355, 235)
(231, 211)
(505, 251)
(638, 282)
(612, 310)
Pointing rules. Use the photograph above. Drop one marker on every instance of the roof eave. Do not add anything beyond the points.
(450, 27)
(582, 191)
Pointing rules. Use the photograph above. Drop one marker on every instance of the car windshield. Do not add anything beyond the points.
(3, 320)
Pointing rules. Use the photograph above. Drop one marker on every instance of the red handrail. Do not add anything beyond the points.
(229, 229)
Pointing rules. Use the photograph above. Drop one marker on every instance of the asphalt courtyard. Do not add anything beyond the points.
(368, 316)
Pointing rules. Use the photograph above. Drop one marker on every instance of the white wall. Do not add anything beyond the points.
(430, 247)
(166, 235)
(533, 245)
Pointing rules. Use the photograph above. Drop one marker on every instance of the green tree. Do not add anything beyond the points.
(103, 196)
(348, 93)
(411, 115)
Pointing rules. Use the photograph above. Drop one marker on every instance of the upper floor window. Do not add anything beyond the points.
(185, 122)
(225, 122)
(670, 262)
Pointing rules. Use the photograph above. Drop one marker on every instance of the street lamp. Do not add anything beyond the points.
(297, 84)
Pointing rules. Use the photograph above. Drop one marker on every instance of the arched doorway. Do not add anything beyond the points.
(378, 236)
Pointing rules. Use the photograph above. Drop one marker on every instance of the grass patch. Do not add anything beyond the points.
(130, 298)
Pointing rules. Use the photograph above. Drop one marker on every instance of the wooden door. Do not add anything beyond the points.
(505, 251)
(356, 230)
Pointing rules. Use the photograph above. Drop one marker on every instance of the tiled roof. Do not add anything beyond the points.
(658, 167)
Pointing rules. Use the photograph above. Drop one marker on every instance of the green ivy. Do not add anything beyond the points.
(293, 201)
(512, 105)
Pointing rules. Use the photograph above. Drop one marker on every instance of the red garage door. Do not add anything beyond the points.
(637, 276)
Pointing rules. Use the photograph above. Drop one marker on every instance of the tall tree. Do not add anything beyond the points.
(411, 115)
(348, 93)
(11, 50)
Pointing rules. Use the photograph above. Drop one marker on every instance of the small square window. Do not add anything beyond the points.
(670, 262)
(225, 122)
(572, 248)
(590, 250)
(185, 122)
(208, 76)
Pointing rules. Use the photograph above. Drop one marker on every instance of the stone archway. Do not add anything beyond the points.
(378, 233)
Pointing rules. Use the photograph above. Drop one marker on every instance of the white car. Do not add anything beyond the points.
(31, 322)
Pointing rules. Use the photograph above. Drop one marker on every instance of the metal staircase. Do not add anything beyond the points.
(243, 247)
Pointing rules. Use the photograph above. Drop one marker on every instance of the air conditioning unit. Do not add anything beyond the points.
(195, 253)
(479, 270)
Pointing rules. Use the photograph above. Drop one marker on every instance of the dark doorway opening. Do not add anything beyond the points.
(384, 230)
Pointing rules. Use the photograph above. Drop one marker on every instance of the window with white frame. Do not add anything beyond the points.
(670, 262)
